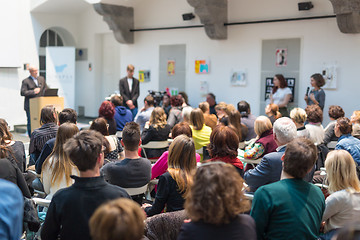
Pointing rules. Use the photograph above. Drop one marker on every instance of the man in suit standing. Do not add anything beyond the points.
(33, 86)
(129, 90)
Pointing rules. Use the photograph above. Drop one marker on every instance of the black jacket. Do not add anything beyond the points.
(125, 92)
(27, 89)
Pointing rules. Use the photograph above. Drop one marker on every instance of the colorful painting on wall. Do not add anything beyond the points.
(144, 75)
(202, 66)
(171, 67)
(281, 57)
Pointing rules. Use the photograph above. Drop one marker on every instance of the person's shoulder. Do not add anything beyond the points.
(273, 156)
(111, 190)
(245, 219)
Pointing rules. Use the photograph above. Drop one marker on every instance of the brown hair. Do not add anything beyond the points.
(6, 134)
(223, 142)
(117, 100)
(84, 149)
(48, 115)
(282, 81)
(120, 219)
(5, 150)
(243, 108)
(61, 164)
(274, 109)
(341, 171)
(204, 106)
(197, 119)
(158, 118)
(336, 112)
(67, 115)
(176, 101)
(185, 96)
(181, 128)
(300, 156)
(234, 120)
(216, 195)
(261, 125)
(344, 125)
(314, 113)
(182, 161)
(319, 79)
(150, 100)
(100, 125)
(131, 136)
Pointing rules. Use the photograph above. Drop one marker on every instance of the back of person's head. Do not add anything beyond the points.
(5, 131)
(319, 79)
(355, 117)
(336, 112)
(182, 161)
(229, 108)
(234, 122)
(120, 219)
(117, 100)
(273, 109)
(5, 149)
(158, 118)
(100, 124)
(350, 231)
(67, 115)
(341, 171)
(185, 97)
(131, 136)
(204, 106)
(314, 113)
(181, 128)
(261, 125)
(300, 156)
(285, 130)
(244, 108)
(298, 115)
(61, 164)
(107, 110)
(185, 113)
(84, 149)
(48, 115)
(197, 119)
(176, 101)
(344, 125)
(149, 100)
(221, 106)
(224, 142)
(216, 195)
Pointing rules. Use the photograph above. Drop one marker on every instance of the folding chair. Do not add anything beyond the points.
(154, 145)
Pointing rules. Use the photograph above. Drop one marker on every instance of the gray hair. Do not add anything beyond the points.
(285, 130)
(186, 112)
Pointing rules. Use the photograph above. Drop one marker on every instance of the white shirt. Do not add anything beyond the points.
(130, 82)
(280, 95)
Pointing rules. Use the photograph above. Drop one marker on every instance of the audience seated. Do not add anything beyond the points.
(66, 115)
(272, 111)
(17, 148)
(247, 118)
(133, 171)
(343, 205)
(165, 104)
(175, 115)
(173, 185)
(215, 205)
(211, 99)
(11, 211)
(314, 118)
(122, 114)
(144, 114)
(298, 116)
(210, 119)
(355, 120)
(57, 168)
(343, 129)
(223, 147)
(161, 165)
(335, 112)
(114, 150)
(155, 130)
(71, 208)
(41, 135)
(290, 208)
(269, 169)
(120, 219)
(107, 111)
(265, 142)
(201, 132)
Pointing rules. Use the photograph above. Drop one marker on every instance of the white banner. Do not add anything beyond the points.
(60, 72)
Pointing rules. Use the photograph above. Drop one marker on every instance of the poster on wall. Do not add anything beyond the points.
(144, 75)
(269, 84)
(204, 88)
(330, 76)
(238, 78)
(202, 66)
(171, 67)
(281, 57)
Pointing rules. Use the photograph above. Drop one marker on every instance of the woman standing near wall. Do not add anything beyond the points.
(281, 94)
(317, 94)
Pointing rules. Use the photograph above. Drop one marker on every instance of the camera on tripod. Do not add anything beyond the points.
(158, 96)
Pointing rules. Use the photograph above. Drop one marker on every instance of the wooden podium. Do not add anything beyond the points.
(36, 104)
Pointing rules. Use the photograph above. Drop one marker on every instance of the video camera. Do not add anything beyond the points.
(158, 96)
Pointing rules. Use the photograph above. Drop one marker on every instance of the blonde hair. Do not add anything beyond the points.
(356, 116)
(298, 115)
(204, 106)
(341, 171)
(120, 219)
(274, 109)
(261, 125)
(197, 119)
(182, 161)
(158, 118)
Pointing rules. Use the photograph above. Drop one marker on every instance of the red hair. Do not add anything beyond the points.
(107, 110)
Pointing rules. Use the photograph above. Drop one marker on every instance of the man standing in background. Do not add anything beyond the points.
(33, 86)
(129, 90)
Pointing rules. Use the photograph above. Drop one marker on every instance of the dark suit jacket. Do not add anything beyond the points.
(27, 89)
(125, 92)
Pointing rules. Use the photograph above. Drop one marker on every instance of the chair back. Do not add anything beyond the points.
(136, 191)
(331, 145)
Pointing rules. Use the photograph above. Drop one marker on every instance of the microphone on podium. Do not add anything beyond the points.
(307, 91)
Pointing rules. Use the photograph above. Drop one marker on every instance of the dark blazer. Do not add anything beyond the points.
(27, 89)
(125, 92)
